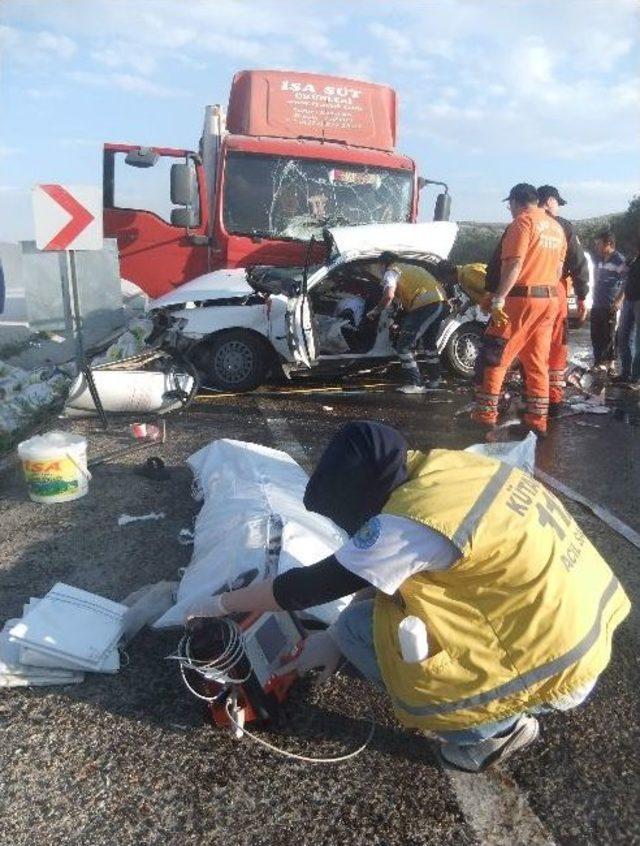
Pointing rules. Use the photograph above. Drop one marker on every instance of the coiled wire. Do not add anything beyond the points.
(219, 669)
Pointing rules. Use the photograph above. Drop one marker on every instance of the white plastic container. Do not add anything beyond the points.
(55, 466)
(127, 391)
(414, 645)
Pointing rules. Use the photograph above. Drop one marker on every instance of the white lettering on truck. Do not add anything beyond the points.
(330, 90)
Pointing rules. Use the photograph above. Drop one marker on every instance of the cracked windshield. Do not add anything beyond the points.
(273, 196)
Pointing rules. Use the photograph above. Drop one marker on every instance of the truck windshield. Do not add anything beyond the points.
(278, 197)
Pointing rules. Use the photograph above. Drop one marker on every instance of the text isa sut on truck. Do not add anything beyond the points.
(297, 155)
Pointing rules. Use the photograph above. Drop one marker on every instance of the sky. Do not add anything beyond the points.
(491, 92)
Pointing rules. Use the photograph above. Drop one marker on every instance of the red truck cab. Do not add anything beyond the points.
(298, 152)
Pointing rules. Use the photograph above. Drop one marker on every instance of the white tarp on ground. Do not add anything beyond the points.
(252, 507)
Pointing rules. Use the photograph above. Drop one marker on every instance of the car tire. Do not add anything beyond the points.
(235, 360)
(462, 348)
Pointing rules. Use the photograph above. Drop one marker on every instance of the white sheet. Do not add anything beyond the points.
(249, 491)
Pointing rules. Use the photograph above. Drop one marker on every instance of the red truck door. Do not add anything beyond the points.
(161, 232)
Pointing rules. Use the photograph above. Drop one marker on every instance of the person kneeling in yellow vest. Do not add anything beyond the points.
(519, 608)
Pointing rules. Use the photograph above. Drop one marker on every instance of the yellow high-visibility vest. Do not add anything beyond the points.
(473, 278)
(416, 286)
(525, 616)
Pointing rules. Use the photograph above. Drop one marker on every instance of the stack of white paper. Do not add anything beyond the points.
(13, 673)
(70, 629)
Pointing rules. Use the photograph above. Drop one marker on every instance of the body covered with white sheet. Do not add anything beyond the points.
(252, 524)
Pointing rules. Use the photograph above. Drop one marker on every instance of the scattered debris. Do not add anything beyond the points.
(154, 469)
(25, 396)
(125, 519)
(130, 343)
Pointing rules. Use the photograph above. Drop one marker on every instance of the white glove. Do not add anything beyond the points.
(319, 649)
(206, 606)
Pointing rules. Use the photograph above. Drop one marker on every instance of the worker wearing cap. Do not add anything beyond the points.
(576, 267)
(523, 312)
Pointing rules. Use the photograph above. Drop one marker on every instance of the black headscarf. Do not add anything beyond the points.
(363, 463)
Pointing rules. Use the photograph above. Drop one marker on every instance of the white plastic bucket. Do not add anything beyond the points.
(55, 466)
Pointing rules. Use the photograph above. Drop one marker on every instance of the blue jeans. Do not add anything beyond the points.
(423, 323)
(354, 634)
(629, 340)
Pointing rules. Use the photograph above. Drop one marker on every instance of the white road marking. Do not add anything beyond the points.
(491, 802)
(497, 810)
(602, 513)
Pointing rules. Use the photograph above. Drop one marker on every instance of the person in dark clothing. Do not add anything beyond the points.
(575, 267)
(440, 546)
(629, 329)
(611, 272)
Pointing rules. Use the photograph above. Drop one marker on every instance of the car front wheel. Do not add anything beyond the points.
(236, 360)
(462, 348)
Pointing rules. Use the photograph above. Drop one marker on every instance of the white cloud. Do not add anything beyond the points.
(124, 55)
(124, 82)
(35, 49)
(8, 151)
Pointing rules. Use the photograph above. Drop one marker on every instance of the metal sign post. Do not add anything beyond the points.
(70, 219)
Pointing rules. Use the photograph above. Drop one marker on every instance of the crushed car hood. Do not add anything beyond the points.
(436, 237)
(218, 285)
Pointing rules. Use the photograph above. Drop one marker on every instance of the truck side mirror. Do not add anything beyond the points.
(187, 217)
(443, 207)
(184, 188)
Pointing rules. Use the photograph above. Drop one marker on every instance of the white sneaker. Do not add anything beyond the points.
(412, 389)
(477, 757)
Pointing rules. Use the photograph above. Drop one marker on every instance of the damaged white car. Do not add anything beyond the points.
(239, 325)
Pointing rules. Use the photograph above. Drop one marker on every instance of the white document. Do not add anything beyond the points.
(79, 627)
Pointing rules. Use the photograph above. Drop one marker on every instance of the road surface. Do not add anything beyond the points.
(131, 759)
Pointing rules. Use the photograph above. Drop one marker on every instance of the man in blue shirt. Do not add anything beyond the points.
(611, 271)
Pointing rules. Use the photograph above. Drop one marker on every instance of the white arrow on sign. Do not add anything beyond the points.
(67, 217)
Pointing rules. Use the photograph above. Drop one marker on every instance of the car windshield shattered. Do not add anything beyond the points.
(278, 197)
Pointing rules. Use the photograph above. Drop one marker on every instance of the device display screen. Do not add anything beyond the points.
(271, 639)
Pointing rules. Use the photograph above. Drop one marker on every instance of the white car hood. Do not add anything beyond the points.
(436, 237)
(218, 285)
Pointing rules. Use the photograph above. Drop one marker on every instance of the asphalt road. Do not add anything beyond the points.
(131, 759)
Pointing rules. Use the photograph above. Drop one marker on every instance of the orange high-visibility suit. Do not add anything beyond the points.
(531, 305)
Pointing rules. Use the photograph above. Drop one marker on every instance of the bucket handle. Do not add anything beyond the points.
(85, 472)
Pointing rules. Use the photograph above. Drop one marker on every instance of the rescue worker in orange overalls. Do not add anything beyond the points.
(523, 312)
(576, 267)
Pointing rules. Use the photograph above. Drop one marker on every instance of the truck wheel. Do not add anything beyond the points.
(462, 348)
(236, 360)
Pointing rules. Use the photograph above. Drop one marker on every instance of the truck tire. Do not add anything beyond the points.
(234, 360)
(462, 348)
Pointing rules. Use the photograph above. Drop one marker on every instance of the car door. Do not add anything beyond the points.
(159, 249)
(300, 336)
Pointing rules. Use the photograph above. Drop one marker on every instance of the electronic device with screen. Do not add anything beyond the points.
(232, 664)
